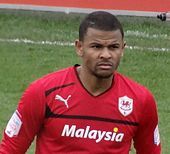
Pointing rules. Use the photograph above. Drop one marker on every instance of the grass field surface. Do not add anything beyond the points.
(146, 60)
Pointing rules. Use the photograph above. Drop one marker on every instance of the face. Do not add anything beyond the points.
(100, 52)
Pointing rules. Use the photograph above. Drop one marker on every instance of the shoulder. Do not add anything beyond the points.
(51, 80)
(143, 100)
(132, 84)
(141, 93)
(55, 77)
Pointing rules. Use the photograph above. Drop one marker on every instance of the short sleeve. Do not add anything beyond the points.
(25, 122)
(147, 138)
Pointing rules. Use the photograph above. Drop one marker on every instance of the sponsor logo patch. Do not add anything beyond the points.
(156, 136)
(97, 135)
(125, 105)
(14, 125)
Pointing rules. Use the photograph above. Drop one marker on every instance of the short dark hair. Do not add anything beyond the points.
(100, 20)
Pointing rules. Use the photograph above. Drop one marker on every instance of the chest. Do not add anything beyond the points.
(76, 115)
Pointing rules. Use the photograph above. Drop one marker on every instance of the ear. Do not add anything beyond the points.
(79, 48)
(123, 48)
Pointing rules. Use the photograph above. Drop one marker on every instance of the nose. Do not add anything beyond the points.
(105, 53)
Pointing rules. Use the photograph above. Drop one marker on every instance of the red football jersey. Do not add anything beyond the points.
(66, 118)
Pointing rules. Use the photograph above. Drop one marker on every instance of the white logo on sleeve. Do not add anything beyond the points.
(125, 105)
(14, 125)
(156, 136)
(65, 101)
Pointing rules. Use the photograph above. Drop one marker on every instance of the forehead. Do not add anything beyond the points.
(101, 35)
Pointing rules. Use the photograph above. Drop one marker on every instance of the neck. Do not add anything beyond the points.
(93, 84)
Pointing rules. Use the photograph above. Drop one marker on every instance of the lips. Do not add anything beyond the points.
(105, 65)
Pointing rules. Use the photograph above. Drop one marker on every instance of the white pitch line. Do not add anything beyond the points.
(147, 48)
(146, 35)
(26, 41)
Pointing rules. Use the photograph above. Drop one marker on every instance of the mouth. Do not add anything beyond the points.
(105, 65)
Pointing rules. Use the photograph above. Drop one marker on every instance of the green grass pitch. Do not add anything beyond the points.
(146, 60)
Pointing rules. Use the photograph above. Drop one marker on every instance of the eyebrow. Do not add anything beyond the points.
(99, 43)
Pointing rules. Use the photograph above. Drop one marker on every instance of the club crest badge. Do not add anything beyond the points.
(125, 105)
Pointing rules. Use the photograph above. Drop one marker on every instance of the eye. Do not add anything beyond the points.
(114, 46)
(96, 46)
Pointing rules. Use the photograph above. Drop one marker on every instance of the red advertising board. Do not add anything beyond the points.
(130, 5)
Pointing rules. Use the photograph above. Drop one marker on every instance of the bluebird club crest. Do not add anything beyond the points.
(125, 105)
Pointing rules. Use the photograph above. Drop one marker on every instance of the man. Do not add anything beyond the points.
(88, 108)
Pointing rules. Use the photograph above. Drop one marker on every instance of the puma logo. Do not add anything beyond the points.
(65, 101)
